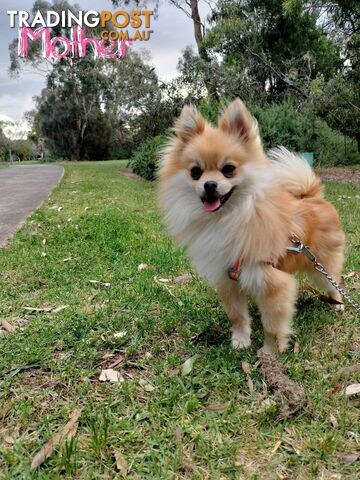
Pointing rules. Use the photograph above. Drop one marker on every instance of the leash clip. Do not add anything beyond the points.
(299, 246)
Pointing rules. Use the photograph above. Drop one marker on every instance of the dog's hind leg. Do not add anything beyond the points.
(277, 306)
(323, 283)
(235, 305)
(333, 264)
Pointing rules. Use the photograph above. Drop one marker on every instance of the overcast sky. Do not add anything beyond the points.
(173, 31)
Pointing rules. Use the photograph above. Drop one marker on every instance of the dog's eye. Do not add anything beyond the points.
(196, 173)
(228, 170)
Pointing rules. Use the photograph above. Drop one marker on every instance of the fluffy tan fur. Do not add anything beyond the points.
(269, 198)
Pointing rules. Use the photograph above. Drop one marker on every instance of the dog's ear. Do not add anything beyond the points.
(237, 120)
(189, 123)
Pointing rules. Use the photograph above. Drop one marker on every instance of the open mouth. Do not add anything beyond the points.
(214, 204)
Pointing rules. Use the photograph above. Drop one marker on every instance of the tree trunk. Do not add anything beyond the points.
(195, 15)
(199, 37)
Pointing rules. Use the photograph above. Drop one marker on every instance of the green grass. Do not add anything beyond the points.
(107, 226)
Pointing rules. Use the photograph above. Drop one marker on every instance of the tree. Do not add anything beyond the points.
(88, 105)
(4, 144)
(23, 149)
(281, 50)
(85, 103)
(191, 9)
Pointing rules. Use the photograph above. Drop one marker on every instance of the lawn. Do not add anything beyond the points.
(82, 250)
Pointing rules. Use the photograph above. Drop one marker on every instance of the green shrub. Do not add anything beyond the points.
(145, 159)
(281, 124)
(122, 152)
(210, 109)
(50, 158)
(332, 147)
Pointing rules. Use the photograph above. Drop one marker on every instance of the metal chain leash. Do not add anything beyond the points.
(301, 247)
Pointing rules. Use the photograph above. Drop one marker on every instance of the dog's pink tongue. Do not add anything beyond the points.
(211, 206)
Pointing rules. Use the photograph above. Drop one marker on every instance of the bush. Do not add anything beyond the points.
(281, 124)
(145, 159)
(332, 147)
(50, 158)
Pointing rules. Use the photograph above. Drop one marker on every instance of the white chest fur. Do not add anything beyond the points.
(214, 241)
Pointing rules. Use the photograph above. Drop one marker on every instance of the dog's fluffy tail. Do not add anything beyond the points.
(295, 174)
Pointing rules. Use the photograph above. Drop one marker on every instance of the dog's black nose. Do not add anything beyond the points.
(210, 187)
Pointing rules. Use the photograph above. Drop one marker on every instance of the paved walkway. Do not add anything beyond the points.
(23, 188)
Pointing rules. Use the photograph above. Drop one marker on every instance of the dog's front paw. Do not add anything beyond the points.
(239, 341)
(267, 350)
(339, 308)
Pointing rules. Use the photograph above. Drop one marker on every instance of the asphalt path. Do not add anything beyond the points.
(23, 188)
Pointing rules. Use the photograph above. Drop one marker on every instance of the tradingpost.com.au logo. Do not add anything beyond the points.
(110, 43)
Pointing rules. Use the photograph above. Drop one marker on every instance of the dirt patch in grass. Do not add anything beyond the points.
(340, 174)
(292, 397)
(129, 173)
(38, 378)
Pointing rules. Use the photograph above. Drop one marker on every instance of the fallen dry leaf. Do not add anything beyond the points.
(202, 395)
(59, 309)
(142, 266)
(9, 440)
(246, 367)
(110, 375)
(187, 366)
(347, 371)
(218, 407)
(121, 462)
(68, 431)
(250, 384)
(7, 326)
(296, 348)
(178, 435)
(116, 362)
(249, 465)
(120, 334)
(353, 389)
(351, 274)
(147, 386)
(276, 446)
(333, 420)
(183, 278)
(6, 409)
(102, 284)
(350, 458)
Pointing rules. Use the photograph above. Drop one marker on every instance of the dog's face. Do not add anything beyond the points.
(213, 158)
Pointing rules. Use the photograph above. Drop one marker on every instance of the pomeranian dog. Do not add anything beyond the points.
(230, 204)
